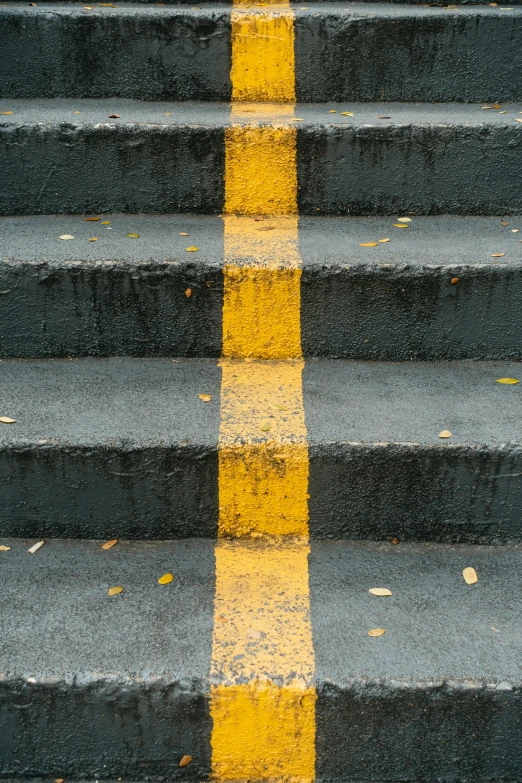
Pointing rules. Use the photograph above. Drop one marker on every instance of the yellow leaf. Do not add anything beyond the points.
(185, 760)
(265, 426)
(5, 548)
(110, 544)
(333, 111)
(445, 434)
(115, 590)
(6, 112)
(7, 420)
(347, 114)
(497, 255)
(165, 579)
(183, 234)
(66, 236)
(168, 114)
(105, 222)
(497, 105)
(91, 220)
(385, 240)
(377, 632)
(368, 244)
(401, 225)
(205, 397)
(192, 249)
(404, 220)
(133, 236)
(93, 239)
(508, 381)
(379, 591)
(470, 576)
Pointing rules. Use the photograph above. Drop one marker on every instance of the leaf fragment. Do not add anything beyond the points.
(508, 381)
(185, 761)
(455, 280)
(165, 579)
(377, 632)
(7, 420)
(205, 397)
(183, 234)
(333, 111)
(368, 244)
(384, 240)
(93, 239)
(168, 114)
(188, 293)
(192, 249)
(115, 590)
(497, 255)
(394, 541)
(265, 426)
(58, 780)
(110, 544)
(347, 114)
(91, 220)
(401, 225)
(133, 235)
(445, 434)
(36, 547)
(105, 223)
(380, 591)
(66, 236)
(4, 548)
(504, 223)
(6, 112)
(470, 576)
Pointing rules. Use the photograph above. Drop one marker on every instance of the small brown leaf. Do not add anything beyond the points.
(380, 591)
(58, 780)
(454, 280)
(110, 544)
(503, 223)
(394, 541)
(205, 397)
(133, 235)
(445, 434)
(377, 632)
(508, 381)
(497, 106)
(265, 426)
(4, 548)
(368, 244)
(185, 761)
(497, 255)
(470, 576)
(192, 249)
(165, 579)
(7, 420)
(183, 234)
(115, 590)
(91, 220)
(114, 116)
(188, 293)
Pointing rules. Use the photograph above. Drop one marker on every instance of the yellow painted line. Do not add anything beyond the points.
(262, 694)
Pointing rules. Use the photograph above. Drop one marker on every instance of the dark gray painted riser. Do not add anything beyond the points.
(186, 55)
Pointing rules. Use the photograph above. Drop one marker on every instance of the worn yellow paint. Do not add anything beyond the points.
(263, 705)
(262, 697)
(262, 279)
(263, 55)
(263, 474)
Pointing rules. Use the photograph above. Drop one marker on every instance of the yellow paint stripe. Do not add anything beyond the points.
(262, 695)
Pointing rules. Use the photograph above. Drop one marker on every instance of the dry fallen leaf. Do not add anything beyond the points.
(368, 244)
(36, 547)
(445, 434)
(66, 236)
(105, 223)
(508, 381)
(401, 225)
(7, 420)
(381, 591)
(470, 576)
(377, 632)
(192, 249)
(394, 541)
(4, 548)
(168, 114)
(188, 293)
(133, 235)
(58, 780)
(333, 111)
(115, 590)
(91, 220)
(347, 114)
(110, 544)
(6, 112)
(205, 397)
(183, 234)
(385, 240)
(165, 579)
(265, 426)
(497, 255)
(93, 239)
(503, 223)
(185, 760)
(78, 112)
(454, 280)
(404, 220)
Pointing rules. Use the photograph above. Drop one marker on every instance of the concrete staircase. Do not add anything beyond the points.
(294, 260)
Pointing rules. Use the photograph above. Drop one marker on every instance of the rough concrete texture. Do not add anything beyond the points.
(392, 302)
(431, 159)
(344, 52)
(100, 687)
(125, 447)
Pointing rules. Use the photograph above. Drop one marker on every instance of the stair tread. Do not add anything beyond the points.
(437, 627)
(443, 241)
(130, 403)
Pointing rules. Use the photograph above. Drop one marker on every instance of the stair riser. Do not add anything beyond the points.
(454, 494)
(394, 314)
(366, 170)
(114, 729)
(415, 55)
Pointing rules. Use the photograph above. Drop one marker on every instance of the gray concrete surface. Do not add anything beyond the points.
(344, 51)
(393, 302)
(124, 447)
(99, 687)
(429, 158)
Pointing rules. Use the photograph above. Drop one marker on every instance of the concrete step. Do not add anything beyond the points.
(104, 688)
(396, 301)
(343, 52)
(125, 448)
(426, 158)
